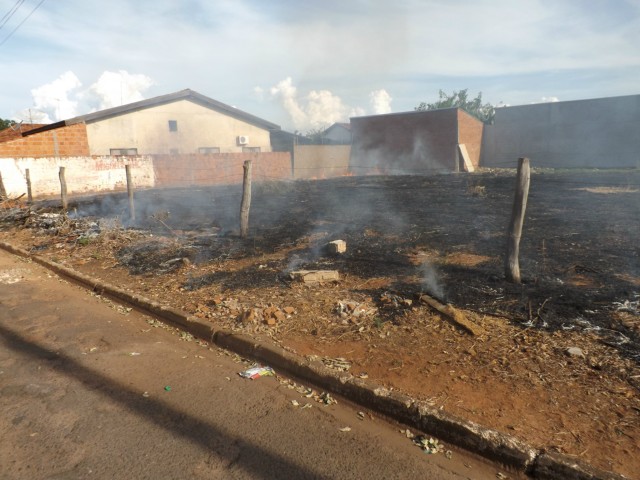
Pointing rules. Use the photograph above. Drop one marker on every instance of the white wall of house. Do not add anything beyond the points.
(82, 174)
(197, 127)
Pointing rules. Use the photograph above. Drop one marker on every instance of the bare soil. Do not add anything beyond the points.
(442, 235)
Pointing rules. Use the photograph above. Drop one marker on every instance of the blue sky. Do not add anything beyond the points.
(305, 64)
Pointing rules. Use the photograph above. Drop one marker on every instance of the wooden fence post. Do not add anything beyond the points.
(246, 200)
(512, 266)
(27, 176)
(63, 189)
(3, 192)
(132, 210)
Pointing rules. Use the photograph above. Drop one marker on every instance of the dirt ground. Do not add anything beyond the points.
(557, 362)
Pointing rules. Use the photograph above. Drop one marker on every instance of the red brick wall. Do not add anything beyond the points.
(470, 133)
(70, 140)
(405, 143)
(219, 168)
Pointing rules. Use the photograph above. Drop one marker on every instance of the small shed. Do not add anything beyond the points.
(416, 143)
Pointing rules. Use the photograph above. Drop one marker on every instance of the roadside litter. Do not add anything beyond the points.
(428, 444)
(257, 372)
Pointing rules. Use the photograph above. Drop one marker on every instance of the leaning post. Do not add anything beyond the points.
(512, 266)
(63, 189)
(132, 210)
(3, 191)
(27, 176)
(246, 200)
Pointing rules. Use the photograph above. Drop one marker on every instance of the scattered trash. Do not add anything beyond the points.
(428, 444)
(341, 364)
(361, 415)
(353, 309)
(632, 307)
(295, 403)
(448, 454)
(327, 399)
(407, 433)
(257, 372)
(167, 388)
(345, 429)
(307, 405)
(145, 394)
(134, 354)
(501, 476)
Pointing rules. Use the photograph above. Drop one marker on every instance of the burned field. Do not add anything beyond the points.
(556, 361)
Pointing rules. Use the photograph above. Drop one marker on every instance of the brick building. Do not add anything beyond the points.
(415, 142)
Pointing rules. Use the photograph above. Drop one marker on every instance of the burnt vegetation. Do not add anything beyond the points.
(579, 252)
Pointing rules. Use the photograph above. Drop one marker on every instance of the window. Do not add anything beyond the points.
(173, 125)
(123, 151)
(250, 149)
(209, 150)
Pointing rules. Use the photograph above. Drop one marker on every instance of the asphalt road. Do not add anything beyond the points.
(89, 390)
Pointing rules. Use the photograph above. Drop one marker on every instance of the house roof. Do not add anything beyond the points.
(186, 94)
(346, 126)
(17, 130)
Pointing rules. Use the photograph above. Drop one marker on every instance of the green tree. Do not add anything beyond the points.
(6, 123)
(461, 100)
(316, 135)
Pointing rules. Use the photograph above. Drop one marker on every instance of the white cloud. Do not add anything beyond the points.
(52, 99)
(380, 101)
(61, 99)
(118, 88)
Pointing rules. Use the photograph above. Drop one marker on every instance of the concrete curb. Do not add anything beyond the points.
(490, 444)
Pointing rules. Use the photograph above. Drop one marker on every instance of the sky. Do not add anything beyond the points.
(307, 64)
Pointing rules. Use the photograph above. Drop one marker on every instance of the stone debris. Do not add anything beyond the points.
(336, 247)
(575, 352)
(314, 277)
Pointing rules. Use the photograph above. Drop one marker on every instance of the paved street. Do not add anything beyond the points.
(90, 390)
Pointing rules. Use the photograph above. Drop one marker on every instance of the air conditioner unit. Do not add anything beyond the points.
(243, 139)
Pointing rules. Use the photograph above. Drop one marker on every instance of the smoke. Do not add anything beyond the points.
(63, 98)
(430, 281)
(320, 108)
(380, 101)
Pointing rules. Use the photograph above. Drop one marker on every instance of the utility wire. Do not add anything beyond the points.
(10, 13)
(20, 24)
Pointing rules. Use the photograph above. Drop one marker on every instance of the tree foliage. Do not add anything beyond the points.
(316, 135)
(461, 100)
(6, 123)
